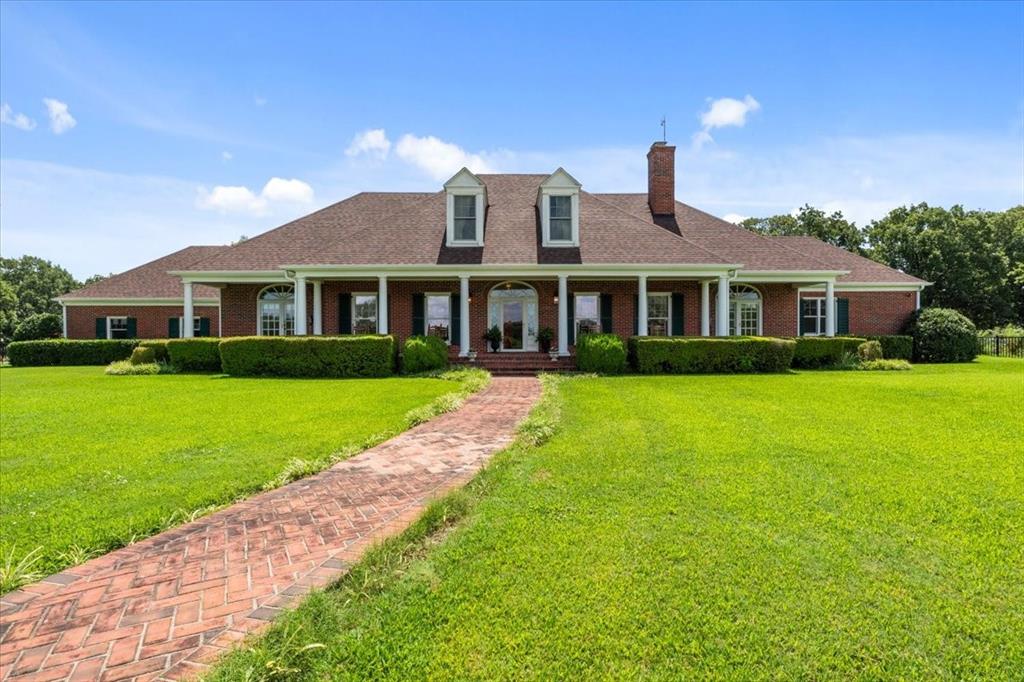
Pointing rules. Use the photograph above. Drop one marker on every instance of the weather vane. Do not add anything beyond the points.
(664, 130)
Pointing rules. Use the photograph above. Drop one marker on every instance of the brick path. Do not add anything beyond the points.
(165, 607)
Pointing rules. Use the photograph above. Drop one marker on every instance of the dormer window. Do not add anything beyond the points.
(466, 207)
(558, 202)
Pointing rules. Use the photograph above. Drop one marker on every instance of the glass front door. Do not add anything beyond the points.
(512, 325)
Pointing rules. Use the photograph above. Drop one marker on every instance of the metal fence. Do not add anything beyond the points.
(1002, 346)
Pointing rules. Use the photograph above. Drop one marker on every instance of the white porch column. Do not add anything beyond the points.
(318, 308)
(563, 315)
(830, 309)
(382, 304)
(64, 320)
(917, 300)
(464, 315)
(705, 308)
(186, 323)
(301, 309)
(641, 303)
(722, 309)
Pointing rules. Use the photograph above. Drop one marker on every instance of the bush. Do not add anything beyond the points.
(143, 356)
(884, 365)
(39, 326)
(703, 355)
(816, 352)
(195, 355)
(944, 335)
(895, 346)
(601, 353)
(128, 368)
(69, 352)
(309, 356)
(159, 347)
(423, 354)
(869, 350)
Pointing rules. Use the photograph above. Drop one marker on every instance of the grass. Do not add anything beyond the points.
(90, 462)
(810, 525)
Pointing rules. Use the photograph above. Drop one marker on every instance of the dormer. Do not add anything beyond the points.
(467, 204)
(558, 202)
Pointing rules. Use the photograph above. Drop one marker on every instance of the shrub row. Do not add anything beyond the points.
(943, 335)
(423, 354)
(69, 352)
(702, 355)
(602, 353)
(308, 356)
(817, 352)
(195, 355)
(895, 347)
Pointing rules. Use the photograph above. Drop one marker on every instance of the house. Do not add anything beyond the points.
(522, 252)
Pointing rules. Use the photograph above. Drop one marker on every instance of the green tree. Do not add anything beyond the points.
(811, 222)
(8, 311)
(35, 283)
(93, 279)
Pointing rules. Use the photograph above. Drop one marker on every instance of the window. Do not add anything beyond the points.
(196, 325)
(439, 315)
(812, 314)
(658, 307)
(465, 217)
(364, 313)
(277, 311)
(117, 327)
(560, 224)
(744, 311)
(588, 314)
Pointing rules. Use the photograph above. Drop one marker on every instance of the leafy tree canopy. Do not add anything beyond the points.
(811, 222)
(34, 283)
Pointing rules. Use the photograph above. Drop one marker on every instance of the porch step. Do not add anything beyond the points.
(518, 364)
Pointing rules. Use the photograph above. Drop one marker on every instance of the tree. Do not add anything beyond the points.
(811, 222)
(8, 311)
(39, 326)
(93, 279)
(36, 282)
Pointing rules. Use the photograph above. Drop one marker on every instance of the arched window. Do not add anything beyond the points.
(277, 310)
(744, 310)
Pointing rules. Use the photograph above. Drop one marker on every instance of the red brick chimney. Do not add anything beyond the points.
(661, 179)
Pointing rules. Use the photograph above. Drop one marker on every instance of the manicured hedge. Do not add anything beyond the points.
(69, 352)
(601, 353)
(423, 354)
(816, 352)
(159, 347)
(143, 356)
(944, 335)
(704, 355)
(195, 354)
(895, 347)
(39, 326)
(309, 356)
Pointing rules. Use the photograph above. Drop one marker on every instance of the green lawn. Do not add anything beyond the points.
(90, 460)
(814, 525)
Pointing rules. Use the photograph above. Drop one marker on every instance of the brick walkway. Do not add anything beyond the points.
(165, 607)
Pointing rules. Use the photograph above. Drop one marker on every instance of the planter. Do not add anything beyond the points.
(553, 354)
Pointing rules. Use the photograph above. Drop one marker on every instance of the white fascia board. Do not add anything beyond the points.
(658, 270)
(794, 276)
(220, 276)
(871, 286)
(135, 301)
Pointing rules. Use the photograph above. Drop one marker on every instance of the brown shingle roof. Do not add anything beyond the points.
(862, 270)
(151, 280)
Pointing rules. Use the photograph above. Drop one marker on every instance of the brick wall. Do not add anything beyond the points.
(875, 312)
(150, 321)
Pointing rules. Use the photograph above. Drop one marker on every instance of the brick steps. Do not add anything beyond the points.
(518, 364)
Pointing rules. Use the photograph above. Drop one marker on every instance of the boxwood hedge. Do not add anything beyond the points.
(703, 355)
(69, 352)
(424, 353)
(895, 346)
(601, 353)
(195, 355)
(816, 352)
(159, 347)
(309, 356)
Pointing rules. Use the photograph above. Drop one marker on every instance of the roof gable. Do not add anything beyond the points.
(151, 280)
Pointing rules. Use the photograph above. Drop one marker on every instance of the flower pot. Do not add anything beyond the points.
(495, 345)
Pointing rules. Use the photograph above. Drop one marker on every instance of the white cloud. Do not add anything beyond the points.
(226, 156)
(20, 121)
(373, 143)
(722, 113)
(239, 199)
(438, 158)
(734, 218)
(61, 119)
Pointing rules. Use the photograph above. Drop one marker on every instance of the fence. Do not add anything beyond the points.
(1002, 346)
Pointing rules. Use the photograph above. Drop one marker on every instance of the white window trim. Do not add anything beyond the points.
(376, 308)
(668, 318)
(545, 201)
(259, 308)
(575, 322)
(820, 316)
(195, 324)
(480, 209)
(734, 310)
(426, 312)
(110, 334)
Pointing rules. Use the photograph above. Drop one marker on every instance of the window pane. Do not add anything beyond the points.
(465, 229)
(657, 306)
(587, 306)
(438, 316)
(657, 327)
(465, 206)
(561, 230)
(364, 314)
(588, 318)
(561, 207)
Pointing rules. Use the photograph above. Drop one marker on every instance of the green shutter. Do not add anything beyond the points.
(419, 325)
(636, 314)
(173, 331)
(456, 330)
(132, 329)
(344, 313)
(204, 326)
(570, 322)
(842, 316)
(607, 325)
(101, 327)
(677, 315)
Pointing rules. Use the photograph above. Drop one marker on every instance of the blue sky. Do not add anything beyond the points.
(130, 130)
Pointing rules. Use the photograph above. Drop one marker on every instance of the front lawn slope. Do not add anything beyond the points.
(813, 525)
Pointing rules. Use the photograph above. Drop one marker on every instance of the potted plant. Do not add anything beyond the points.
(544, 338)
(493, 336)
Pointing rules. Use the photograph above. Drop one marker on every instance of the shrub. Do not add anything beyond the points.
(702, 355)
(195, 355)
(69, 352)
(143, 356)
(423, 354)
(38, 326)
(944, 335)
(129, 368)
(601, 353)
(895, 346)
(816, 352)
(309, 356)
(885, 365)
(159, 347)
(869, 350)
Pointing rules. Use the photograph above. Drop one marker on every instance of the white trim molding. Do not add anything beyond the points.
(462, 184)
(559, 184)
(150, 302)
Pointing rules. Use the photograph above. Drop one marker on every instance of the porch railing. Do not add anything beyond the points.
(1002, 346)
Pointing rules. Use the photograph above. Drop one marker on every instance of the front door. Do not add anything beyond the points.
(512, 325)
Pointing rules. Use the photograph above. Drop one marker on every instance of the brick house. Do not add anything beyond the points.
(520, 252)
